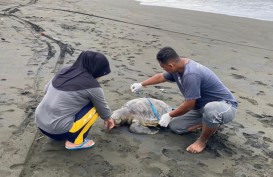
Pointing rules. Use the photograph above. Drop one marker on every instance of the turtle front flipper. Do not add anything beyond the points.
(136, 127)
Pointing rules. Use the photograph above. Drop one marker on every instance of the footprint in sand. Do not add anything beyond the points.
(173, 154)
(249, 166)
(260, 93)
(131, 79)
(254, 140)
(148, 158)
(266, 120)
(268, 153)
(25, 92)
(250, 100)
(30, 73)
(121, 74)
(233, 128)
(267, 139)
(13, 126)
(117, 92)
(105, 83)
(16, 166)
(254, 114)
(237, 76)
(220, 146)
(10, 110)
(260, 83)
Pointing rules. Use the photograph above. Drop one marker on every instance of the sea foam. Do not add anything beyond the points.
(257, 9)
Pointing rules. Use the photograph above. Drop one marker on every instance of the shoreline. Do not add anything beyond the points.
(216, 13)
(131, 50)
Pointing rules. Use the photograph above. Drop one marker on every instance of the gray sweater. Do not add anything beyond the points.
(55, 113)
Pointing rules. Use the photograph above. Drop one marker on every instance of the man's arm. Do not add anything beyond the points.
(192, 91)
(156, 79)
(183, 108)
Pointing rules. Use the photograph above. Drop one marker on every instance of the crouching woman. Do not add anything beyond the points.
(74, 100)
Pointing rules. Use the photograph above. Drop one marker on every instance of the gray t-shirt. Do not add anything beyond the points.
(56, 112)
(199, 83)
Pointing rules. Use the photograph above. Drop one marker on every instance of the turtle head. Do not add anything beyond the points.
(116, 117)
(120, 116)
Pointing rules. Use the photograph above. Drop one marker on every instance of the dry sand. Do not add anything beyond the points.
(238, 50)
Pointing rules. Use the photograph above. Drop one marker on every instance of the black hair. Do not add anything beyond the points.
(166, 54)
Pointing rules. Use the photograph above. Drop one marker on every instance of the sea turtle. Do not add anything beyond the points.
(140, 114)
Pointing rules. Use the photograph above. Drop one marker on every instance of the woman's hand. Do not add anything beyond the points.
(109, 123)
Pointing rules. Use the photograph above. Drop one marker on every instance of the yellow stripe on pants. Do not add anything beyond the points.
(86, 121)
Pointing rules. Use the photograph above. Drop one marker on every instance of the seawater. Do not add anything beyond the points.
(256, 9)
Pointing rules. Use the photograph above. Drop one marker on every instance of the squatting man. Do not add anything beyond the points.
(208, 102)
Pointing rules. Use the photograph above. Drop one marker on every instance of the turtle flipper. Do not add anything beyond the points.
(136, 127)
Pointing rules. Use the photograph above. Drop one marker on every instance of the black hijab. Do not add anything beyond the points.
(83, 73)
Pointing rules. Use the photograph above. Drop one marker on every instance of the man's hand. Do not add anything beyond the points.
(165, 120)
(109, 123)
(136, 87)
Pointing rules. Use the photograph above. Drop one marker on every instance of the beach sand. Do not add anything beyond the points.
(238, 50)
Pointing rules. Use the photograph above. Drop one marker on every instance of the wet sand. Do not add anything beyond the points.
(238, 50)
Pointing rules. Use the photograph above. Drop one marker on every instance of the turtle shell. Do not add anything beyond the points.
(141, 109)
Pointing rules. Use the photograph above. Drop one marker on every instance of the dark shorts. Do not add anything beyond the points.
(72, 136)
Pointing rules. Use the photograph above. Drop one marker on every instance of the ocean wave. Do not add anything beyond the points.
(257, 9)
